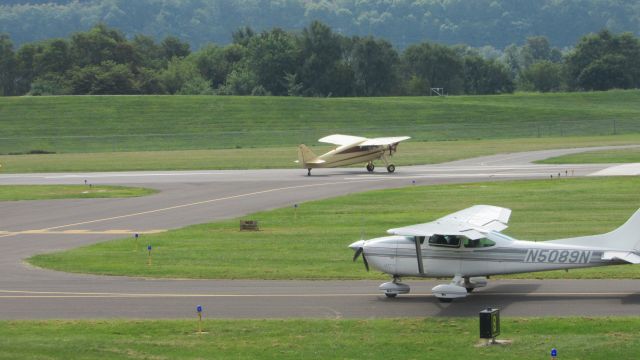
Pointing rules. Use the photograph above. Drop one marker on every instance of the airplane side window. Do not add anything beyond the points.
(484, 242)
(444, 240)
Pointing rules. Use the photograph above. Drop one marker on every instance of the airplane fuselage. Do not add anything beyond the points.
(397, 256)
(345, 155)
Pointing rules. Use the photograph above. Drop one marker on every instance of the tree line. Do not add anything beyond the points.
(497, 23)
(316, 61)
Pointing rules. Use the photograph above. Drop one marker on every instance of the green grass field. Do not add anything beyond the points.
(311, 242)
(44, 192)
(450, 338)
(598, 157)
(85, 124)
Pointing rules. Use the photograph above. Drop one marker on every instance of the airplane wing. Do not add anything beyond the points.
(384, 140)
(473, 222)
(341, 140)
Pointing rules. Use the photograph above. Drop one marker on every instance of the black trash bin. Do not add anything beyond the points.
(489, 323)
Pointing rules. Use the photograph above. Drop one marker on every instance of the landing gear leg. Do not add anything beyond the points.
(390, 167)
(309, 172)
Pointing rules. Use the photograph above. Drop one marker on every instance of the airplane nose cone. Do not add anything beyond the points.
(356, 245)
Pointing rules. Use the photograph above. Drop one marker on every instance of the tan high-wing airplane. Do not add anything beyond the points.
(351, 150)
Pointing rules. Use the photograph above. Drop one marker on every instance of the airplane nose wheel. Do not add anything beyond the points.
(370, 167)
(391, 168)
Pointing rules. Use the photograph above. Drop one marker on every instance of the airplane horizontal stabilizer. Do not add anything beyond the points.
(621, 255)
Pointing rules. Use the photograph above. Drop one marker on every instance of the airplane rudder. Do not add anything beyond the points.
(629, 232)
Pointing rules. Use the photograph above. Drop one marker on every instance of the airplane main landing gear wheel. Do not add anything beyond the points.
(469, 289)
(370, 167)
(390, 295)
(445, 300)
(391, 168)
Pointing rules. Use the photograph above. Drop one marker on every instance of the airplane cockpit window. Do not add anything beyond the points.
(444, 240)
(478, 243)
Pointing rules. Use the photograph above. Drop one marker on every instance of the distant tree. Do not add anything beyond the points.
(180, 73)
(216, 63)
(54, 57)
(536, 48)
(486, 76)
(242, 36)
(25, 68)
(272, 55)
(173, 47)
(107, 78)
(7, 66)
(434, 65)
(321, 53)
(50, 84)
(543, 76)
(604, 61)
(97, 45)
(374, 65)
(241, 81)
(147, 53)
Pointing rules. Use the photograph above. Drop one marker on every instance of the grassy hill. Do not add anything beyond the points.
(85, 124)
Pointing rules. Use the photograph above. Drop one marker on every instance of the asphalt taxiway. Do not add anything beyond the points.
(190, 197)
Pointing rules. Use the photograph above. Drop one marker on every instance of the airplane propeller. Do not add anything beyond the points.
(393, 148)
(359, 249)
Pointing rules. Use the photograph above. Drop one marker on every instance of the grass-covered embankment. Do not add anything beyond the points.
(46, 192)
(83, 124)
(631, 155)
(312, 243)
(451, 338)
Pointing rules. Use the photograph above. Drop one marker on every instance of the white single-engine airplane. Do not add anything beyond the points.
(351, 150)
(468, 245)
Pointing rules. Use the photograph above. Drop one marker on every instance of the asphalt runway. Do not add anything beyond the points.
(191, 197)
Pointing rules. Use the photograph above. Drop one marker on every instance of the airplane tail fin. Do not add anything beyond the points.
(305, 155)
(626, 237)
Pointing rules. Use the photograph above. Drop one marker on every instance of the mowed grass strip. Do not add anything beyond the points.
(310, 241)
(45, 192)
(598, 157)
(409, 153)
(432, 338)
(82, 124)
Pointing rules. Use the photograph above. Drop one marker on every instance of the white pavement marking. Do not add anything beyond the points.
(632, 169)
(82, 232)
(109, 175)
(196, 203)
(437, 176)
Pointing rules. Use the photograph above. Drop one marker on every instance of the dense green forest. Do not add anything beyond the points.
(316, 61)
(477, 23)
